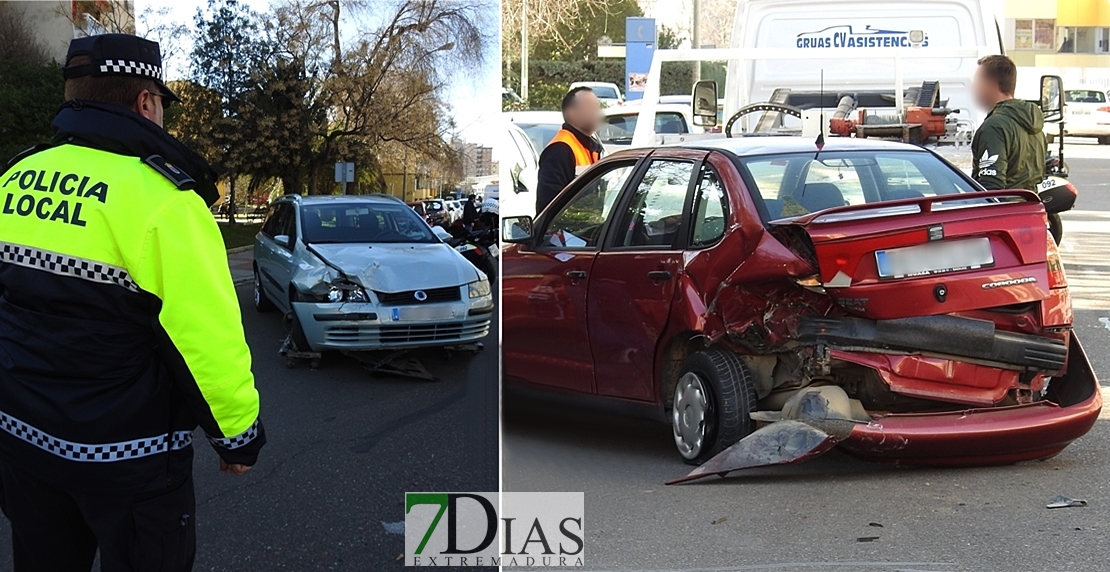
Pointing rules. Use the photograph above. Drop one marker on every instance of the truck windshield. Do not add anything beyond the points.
(356, 222)
(795, 184)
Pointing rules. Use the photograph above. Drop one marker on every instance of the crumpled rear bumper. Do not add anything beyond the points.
(969, 437)
(988, 436)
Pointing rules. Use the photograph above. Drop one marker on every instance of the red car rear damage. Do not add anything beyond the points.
(917, 324)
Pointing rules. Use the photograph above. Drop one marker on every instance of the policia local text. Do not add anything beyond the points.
(46, 207)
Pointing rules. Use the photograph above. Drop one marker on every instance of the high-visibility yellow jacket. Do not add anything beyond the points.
(120, 330)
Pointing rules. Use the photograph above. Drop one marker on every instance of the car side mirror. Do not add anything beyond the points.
(704, 102)
(283, 240)
(1052, 104)
(516, 229)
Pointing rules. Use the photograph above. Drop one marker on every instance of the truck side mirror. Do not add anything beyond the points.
(704, 102)
(1052, 101)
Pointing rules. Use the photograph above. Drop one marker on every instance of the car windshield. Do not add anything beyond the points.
(1085, 96)
(540, 134)
(357, 222)
(795, 184)
(605, 92)
(618, 129)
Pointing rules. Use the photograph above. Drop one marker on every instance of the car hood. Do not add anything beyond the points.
(399, 267)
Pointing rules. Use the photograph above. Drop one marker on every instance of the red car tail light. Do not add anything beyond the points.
(1056, 276)
(1105, 108)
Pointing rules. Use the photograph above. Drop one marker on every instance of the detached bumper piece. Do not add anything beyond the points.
(971, 437)
(943, 335)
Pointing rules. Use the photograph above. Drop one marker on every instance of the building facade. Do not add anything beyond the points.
(56, 22)
(1057, 33)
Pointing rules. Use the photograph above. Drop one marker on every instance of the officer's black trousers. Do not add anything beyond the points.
(60, 531)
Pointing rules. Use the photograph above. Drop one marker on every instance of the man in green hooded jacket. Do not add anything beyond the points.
(1009, 148)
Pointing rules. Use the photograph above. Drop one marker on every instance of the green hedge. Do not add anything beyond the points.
(30, 95)
(549, 80)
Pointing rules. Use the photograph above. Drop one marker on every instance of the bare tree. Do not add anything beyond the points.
(544, 19)
(386, 87)
(17, 37)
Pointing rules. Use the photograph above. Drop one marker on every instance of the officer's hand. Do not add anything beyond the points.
(234, 468)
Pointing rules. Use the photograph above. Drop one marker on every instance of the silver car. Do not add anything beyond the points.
(366, 273)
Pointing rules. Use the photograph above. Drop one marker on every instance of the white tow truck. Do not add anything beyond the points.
(796, 64)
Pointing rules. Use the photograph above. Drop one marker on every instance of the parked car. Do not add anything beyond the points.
(434, 211)
(1086, 114)
(540, 126)
(867, 295)
(520, 167)
(454, 210)
(619, 124)
(607, 92)
(366, 273)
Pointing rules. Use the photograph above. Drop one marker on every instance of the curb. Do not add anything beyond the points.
(238, 249)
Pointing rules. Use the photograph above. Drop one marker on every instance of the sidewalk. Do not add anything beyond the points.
(241, 261)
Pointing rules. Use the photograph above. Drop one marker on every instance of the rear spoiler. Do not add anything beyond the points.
(904, 207)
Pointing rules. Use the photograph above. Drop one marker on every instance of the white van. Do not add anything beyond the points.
(861, 35)
(869, 49)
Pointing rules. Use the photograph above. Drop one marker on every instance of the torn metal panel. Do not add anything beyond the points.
(779, 443)
(313, 275)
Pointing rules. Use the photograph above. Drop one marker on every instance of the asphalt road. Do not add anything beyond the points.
(835, 512)
(343, 448)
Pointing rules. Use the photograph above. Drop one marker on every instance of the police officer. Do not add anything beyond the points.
(573, 148)
(119, 327)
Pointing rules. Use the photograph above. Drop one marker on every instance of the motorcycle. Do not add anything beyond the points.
(479, 247)
(1056, 192)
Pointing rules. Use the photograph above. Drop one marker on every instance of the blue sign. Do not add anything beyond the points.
(639, 48)
(849, 37)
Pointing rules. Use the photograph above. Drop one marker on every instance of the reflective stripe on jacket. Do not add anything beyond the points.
(120, 329)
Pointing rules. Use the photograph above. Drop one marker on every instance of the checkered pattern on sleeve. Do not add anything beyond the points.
(238, 440)
(65, 265)
(95, 453)
(130, 67)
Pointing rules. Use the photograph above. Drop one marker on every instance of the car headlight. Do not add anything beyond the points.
(479, 289)
(338, 292)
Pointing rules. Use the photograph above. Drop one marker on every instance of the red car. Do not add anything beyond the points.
(865, 294)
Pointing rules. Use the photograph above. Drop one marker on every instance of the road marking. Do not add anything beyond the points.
(1105, 322)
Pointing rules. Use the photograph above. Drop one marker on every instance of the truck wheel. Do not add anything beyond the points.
(261, 302)
(712, 403)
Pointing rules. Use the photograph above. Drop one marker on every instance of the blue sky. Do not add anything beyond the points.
(475, 96)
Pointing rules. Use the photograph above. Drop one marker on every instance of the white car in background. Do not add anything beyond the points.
(1086, 114)
(520, 171)
(539, 126)
(672, 122)
(609, 94)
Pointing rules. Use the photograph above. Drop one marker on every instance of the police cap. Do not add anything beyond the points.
(121, 55)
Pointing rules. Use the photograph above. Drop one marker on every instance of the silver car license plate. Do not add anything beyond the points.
(934, 258)
(422, 313)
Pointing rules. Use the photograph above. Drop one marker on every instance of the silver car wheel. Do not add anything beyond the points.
(688, 415)
(257, 290)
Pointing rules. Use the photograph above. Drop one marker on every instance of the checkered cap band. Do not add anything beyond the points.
(129, 67)
(95, 453)
(238, 440)
(65, 265)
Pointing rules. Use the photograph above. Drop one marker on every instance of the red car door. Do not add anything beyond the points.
(634, 278)
(544, 285)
